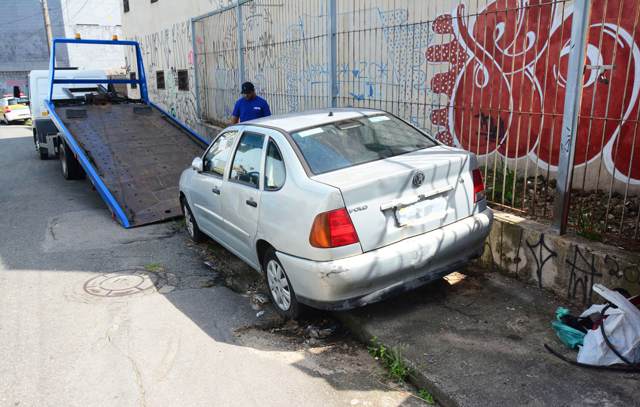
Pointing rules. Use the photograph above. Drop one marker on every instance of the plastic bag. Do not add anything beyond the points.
(569, 336)
(622, 327)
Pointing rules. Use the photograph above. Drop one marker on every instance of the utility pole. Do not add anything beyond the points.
(47, 23)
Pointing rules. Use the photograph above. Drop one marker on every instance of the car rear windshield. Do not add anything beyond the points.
(357, 141)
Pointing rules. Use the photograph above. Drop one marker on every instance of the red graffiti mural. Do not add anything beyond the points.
(506, 82)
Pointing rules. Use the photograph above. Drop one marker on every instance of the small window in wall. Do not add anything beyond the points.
(154, 1)
(160, 79)
(125, 4)
(183, 79)
(132, 76)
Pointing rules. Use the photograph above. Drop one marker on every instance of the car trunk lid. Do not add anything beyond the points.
(406, 195)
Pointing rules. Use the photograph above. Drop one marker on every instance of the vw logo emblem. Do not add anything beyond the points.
(418, 179)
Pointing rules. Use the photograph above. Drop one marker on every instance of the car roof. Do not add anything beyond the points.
(292, 122)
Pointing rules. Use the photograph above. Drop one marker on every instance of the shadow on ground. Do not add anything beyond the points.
(60, 242)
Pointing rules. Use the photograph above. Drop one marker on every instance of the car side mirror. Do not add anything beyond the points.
(196, 164)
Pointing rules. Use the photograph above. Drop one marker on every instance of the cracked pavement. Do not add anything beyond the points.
(92, 314)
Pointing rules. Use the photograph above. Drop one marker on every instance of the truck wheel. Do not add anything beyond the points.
(42, 152)
(281, 292)
(71, 168)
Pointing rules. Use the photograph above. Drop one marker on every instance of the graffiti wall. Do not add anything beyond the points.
(169, 51)
(487, 75)
(506, 75)
(569, 267)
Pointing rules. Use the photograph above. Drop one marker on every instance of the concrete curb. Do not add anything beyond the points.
(416, 378)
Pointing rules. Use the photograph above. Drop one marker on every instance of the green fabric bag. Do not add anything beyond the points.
(571, 337)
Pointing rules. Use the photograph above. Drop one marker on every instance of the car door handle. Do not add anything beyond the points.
(251, 202)
(215, 190)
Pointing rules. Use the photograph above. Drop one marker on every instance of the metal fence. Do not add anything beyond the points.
(491, 76)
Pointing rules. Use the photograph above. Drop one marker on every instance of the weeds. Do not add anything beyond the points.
(588, 227)
(501, 184)
(391, 359)
(426, 396)
(153, 267)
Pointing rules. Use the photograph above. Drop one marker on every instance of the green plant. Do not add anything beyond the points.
(501, 183)
(588, 227)
(426, 396)
(153, 267)
(391, 359)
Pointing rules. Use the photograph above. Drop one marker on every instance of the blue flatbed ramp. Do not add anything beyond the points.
(138, 152)
(132, 151)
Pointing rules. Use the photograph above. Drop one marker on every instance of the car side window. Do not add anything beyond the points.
(216, 158)
(245, 168)
(274, 171)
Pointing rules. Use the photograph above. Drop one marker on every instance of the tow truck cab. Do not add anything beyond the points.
(45, 132)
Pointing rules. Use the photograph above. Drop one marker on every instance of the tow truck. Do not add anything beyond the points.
(131, 150)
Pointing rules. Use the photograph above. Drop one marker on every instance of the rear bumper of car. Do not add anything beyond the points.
(16, 115)
(378, 274)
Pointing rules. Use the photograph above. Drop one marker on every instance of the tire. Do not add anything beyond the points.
(71, 168)
(193, 230)
(280, 290)
(42, 152)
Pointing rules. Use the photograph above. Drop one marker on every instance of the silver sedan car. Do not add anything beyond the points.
(338, 208)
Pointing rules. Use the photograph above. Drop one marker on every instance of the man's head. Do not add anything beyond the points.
(248, 90)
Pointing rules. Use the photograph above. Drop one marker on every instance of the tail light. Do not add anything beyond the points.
(7, 109)
(478, 185)
(333, 229)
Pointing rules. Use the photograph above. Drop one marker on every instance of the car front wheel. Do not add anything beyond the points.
(190, 222)
(280, 290)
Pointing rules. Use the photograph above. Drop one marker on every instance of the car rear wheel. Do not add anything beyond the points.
(280, 290)
(71, 168)
(190, 222)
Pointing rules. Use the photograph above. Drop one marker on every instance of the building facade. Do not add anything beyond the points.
(488, 76)
(23, 37)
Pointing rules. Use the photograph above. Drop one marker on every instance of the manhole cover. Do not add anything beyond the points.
(121, 283)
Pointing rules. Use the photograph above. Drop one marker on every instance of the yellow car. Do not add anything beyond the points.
(13, 110)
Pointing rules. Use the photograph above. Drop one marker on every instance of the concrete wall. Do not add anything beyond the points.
(164, 32)
(567, 265)
(425, 62)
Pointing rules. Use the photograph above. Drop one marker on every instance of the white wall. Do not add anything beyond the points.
(94, 19)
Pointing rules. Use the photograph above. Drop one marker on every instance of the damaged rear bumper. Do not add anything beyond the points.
(378, 274)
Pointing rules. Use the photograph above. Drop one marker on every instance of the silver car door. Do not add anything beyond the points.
(207, 186)
(242, 193)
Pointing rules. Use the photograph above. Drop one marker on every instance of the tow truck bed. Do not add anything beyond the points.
(130, 149)
(137, 151)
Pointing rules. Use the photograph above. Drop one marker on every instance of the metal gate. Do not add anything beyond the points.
(496, 77)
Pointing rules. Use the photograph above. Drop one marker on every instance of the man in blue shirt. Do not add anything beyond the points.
(250, 106)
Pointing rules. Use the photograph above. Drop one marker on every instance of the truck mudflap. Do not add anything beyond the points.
(133, 153)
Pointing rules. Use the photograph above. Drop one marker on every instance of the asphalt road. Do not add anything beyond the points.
(92, 314)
